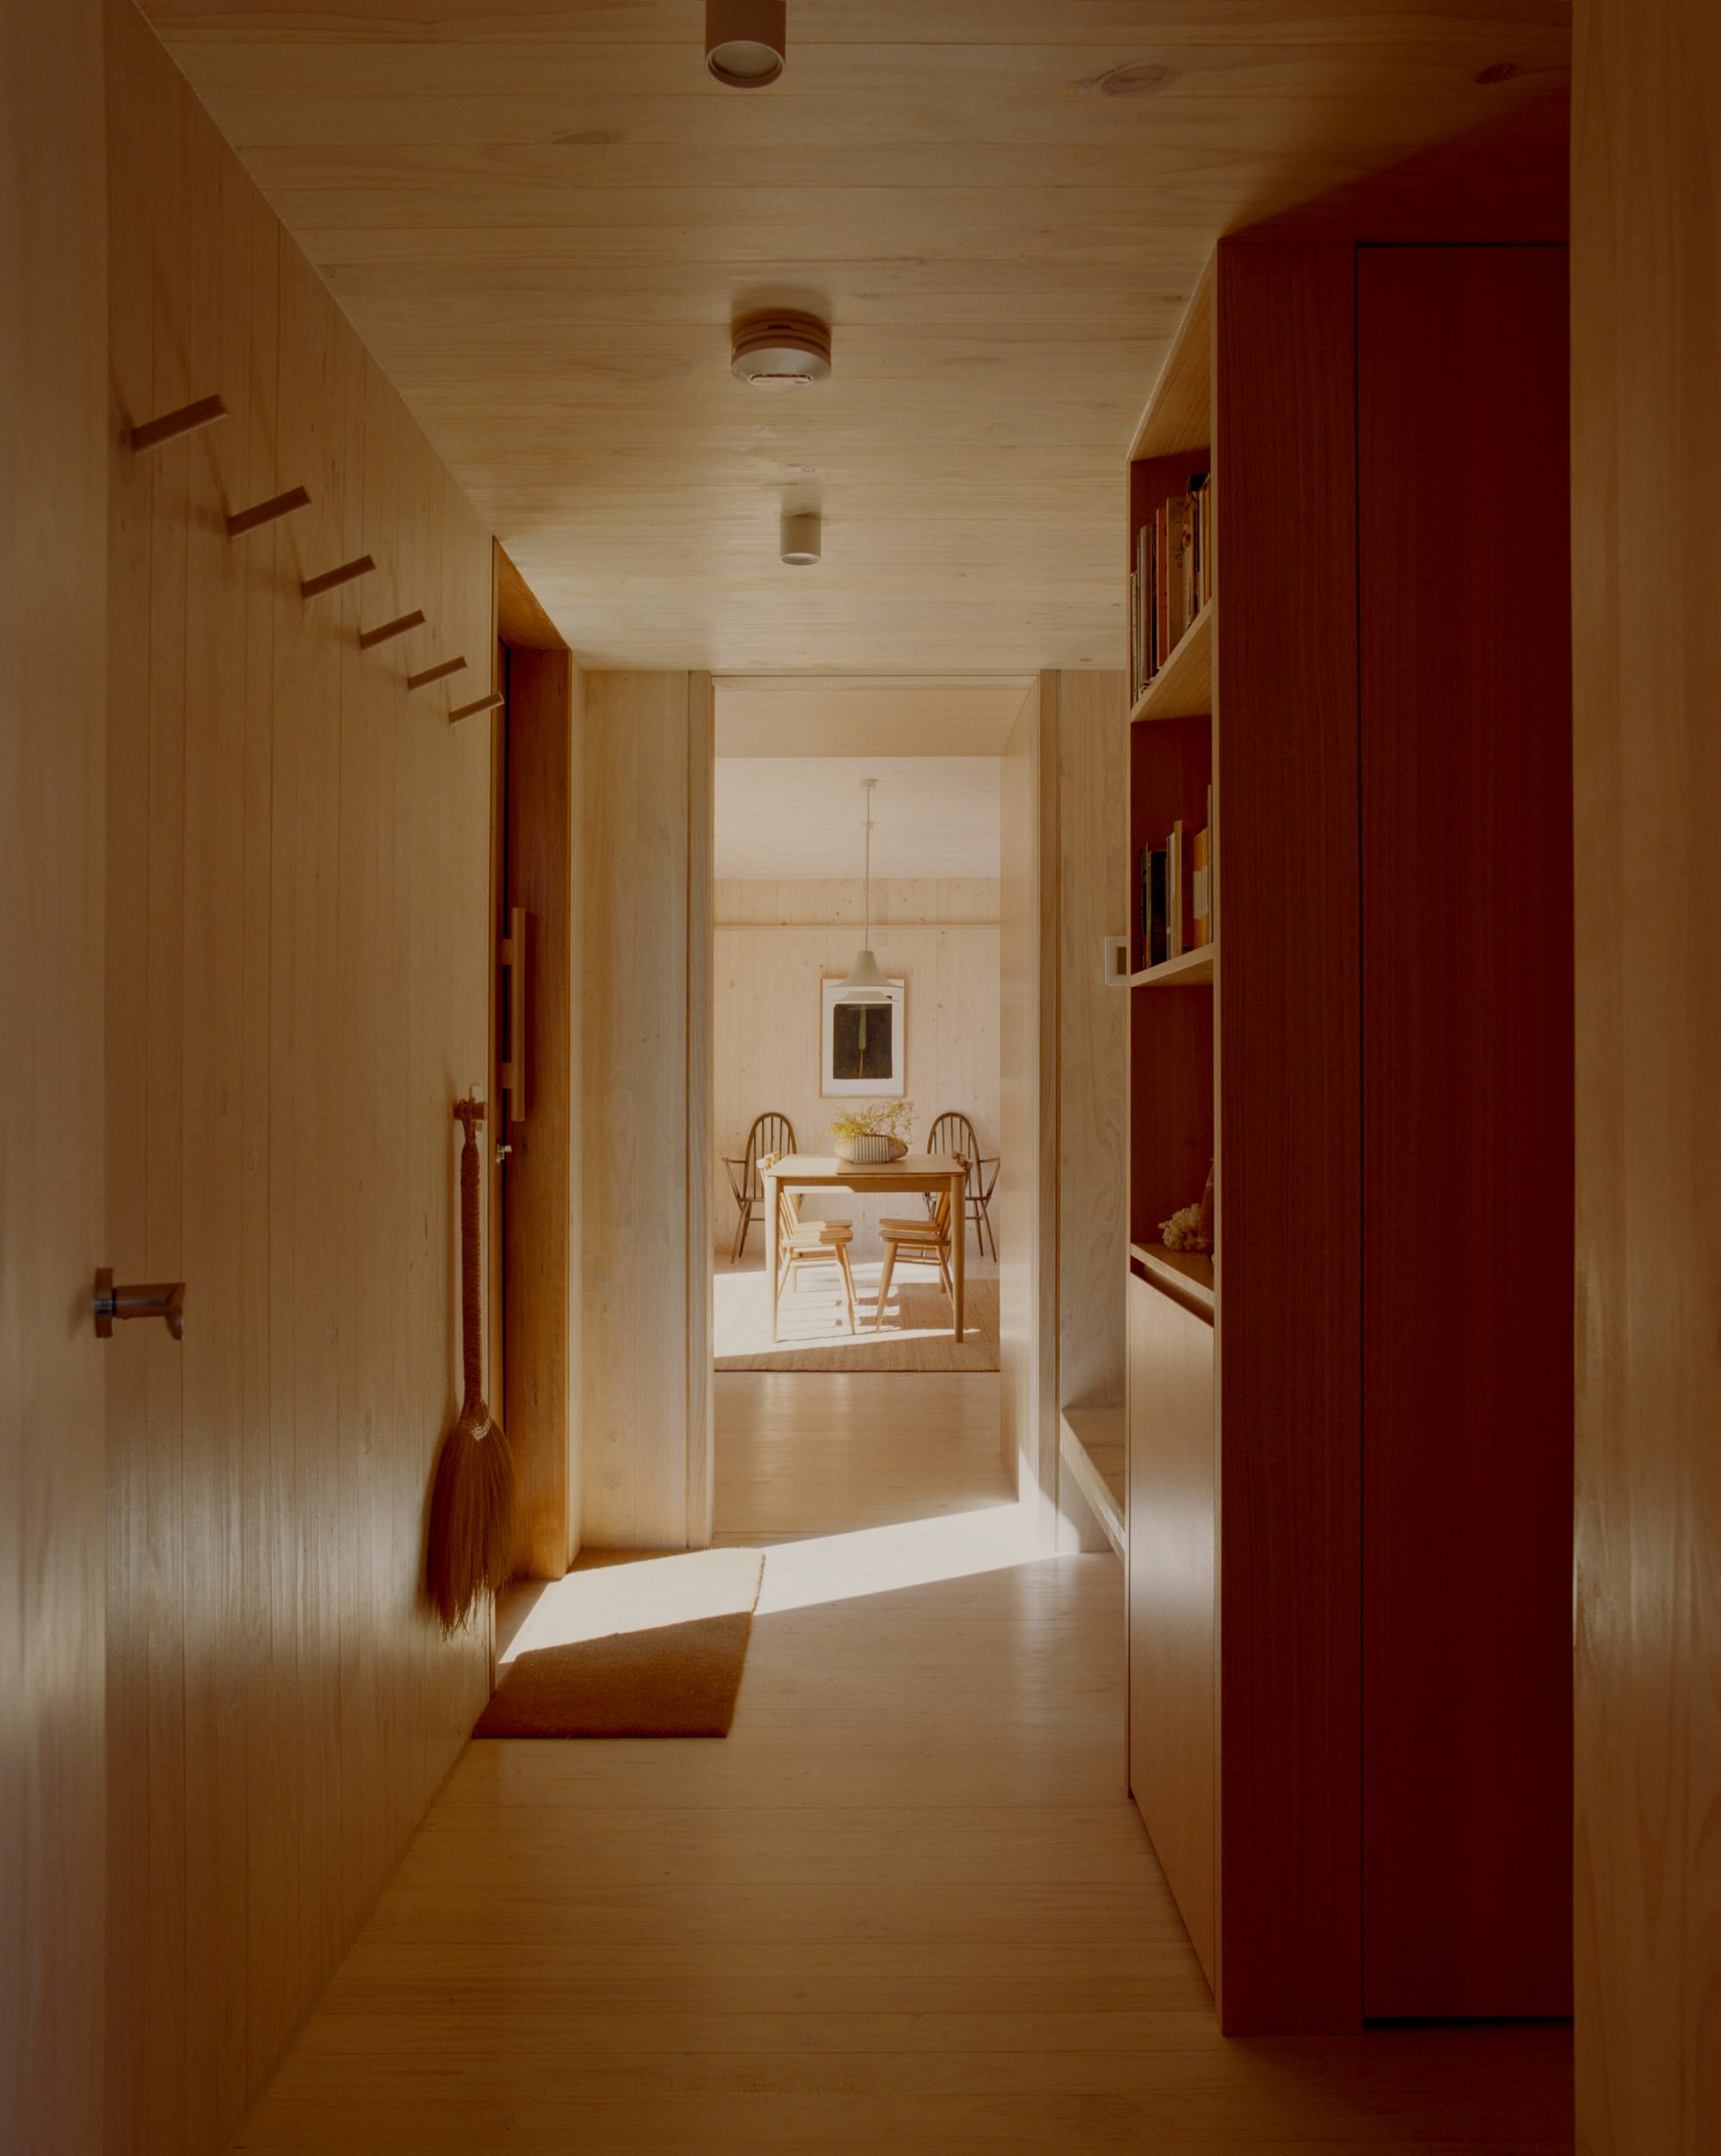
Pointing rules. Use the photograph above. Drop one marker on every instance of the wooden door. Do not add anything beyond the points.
(1465, 699)
(1172, 1546)
(540, 1221)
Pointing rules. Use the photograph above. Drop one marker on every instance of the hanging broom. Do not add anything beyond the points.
(471, 1503)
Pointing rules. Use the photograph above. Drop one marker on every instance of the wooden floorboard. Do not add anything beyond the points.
(906, 1905)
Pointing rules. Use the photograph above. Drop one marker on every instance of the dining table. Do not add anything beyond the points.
(923, 1173)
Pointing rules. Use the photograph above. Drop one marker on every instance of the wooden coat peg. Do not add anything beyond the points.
(172, 424)
(278, 505)
(399, 626)
(332, 579)
(435, 673)
(472, 711)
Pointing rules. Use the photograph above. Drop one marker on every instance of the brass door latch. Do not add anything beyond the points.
(159, 1299)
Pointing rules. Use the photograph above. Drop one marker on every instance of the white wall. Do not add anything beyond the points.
(777, 941)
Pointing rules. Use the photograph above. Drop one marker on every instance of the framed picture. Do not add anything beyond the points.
(862, 1048)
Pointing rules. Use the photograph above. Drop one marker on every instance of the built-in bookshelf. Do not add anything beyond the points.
(1190, 969)
(1172, 898)
(1188, 1273)
(1183, 687)
(1353, 682)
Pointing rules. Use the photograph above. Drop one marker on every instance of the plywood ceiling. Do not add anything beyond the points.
(543, 217)
(803, 816)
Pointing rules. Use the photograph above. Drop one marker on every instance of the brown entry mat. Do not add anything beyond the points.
(653, 1679)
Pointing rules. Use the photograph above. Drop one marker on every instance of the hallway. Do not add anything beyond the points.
(906, 1905)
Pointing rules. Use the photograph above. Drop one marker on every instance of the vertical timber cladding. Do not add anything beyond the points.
(297, 928)
(645, 1000)
(1646, 531)
(53, 447)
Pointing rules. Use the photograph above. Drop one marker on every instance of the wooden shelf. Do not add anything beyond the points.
(1179, 414)
(1187, 1274)
(1191, 969)
(1183, 687)
(1093, 1444)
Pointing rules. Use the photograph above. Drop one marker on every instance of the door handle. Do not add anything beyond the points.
(512, 1073)
(162, 1299)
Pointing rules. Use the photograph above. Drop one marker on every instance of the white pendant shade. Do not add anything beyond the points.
(865, 982)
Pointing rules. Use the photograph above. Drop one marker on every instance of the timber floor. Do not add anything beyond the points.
(905, 1907)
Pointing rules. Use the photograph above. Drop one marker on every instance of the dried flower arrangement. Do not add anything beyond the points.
(874, 1119)
(1191, 1226)
(1182, 1231)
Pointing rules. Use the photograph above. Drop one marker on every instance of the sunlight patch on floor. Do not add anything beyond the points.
(880, 1561)
(637, 1597)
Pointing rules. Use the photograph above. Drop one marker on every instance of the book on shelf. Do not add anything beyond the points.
(1175, 854)
(1150, 916)
(1136, 658)
(1172, 579)
(1174, 894)
(1161, 583)
(1198, 895)
(1206, 927)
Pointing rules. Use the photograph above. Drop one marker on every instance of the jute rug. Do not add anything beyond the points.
(631, 1644)
(813, 1324)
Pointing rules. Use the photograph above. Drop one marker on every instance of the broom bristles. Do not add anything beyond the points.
(471, 1518)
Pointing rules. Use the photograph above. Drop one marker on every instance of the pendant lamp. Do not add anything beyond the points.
(866, 983)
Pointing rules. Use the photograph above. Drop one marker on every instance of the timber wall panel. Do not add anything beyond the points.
(52, 705)
(297, 992)
(645, 1110)
(1646, 531)
(1026, 1208)
(701, 1054)
(1093, 1041)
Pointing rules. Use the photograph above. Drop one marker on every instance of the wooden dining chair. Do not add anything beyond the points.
(803, 1243)
(952, 1132)
(925, 1242)
(771, 1134)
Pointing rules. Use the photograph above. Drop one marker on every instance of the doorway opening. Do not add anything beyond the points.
(846, 1404)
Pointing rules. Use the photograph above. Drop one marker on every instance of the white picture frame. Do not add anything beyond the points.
(837, 1044)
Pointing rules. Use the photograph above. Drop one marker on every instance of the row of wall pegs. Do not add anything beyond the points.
(187, 419)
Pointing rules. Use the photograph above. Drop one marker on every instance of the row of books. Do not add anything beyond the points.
(1175, 910)
(1172, 580)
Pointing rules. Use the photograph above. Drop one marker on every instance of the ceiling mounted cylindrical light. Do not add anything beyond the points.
(745, 42)
(780, 349)
(802, 538)
(865, 982)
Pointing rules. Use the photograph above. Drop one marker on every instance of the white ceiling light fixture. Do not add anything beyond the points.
(801, 539)
(745, 42)
(780, 349)
(865, 982)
